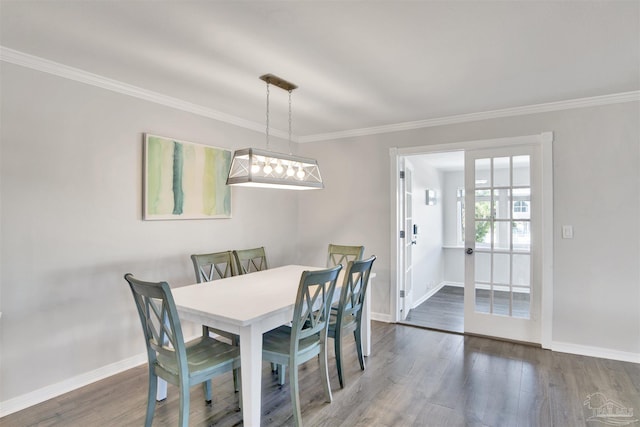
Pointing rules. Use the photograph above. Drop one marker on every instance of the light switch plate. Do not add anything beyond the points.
(567, 232)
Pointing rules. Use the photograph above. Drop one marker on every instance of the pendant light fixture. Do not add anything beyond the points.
(253, 167)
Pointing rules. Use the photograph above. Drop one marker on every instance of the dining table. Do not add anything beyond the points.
(250, 305)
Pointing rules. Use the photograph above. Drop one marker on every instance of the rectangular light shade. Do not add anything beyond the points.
(253, 167)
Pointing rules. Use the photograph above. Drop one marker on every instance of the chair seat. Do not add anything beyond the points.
(205, 355)
(278, 342)
(347, 325)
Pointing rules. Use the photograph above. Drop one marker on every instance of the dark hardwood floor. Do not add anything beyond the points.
(415, 377)
(444, 311)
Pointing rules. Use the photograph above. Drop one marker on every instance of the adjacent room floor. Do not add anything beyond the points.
(444, 311)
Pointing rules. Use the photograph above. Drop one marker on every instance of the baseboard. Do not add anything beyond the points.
(603, 353)
(429, 294)
(485, 287)
(381, 317)
(456, 284)
(38, 396)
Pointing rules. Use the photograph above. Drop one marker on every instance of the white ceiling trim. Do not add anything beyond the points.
(40, 64)
(507, 112)
(37, 63)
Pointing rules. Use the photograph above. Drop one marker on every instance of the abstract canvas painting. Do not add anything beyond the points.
(184, 180)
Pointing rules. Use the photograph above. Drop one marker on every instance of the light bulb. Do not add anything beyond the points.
(300, 173)
(279, 169)
(255, 168)
(267, 169)
(290, 171)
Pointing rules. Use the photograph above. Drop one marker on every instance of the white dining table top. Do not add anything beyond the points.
(244, 299)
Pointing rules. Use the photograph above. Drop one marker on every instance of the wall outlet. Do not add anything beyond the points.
(567, 232)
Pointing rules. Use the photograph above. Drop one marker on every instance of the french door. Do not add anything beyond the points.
(406, 287)
(502, 242)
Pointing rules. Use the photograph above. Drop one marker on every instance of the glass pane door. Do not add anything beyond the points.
(499, 287)
(502, 235)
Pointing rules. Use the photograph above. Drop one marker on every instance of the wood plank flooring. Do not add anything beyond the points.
(444, 311)
(415, 377)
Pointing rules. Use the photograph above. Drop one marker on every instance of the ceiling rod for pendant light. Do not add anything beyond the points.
(277, 81)
(252, 167)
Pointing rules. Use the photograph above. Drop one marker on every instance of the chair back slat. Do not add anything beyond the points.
(213, 266)
(250, 260)
(313, 304)
(341, 255)
(160, 322)
(353, 291)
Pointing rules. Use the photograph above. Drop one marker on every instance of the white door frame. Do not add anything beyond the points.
(407, 241)
(545, 140)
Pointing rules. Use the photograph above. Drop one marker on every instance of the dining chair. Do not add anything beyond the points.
(250, 260)
(210, 267)
(340, 254)
(213, 266)
(347, 315)
(307, 336)
(179, 363)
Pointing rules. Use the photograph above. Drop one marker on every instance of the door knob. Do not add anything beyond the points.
(469, 251)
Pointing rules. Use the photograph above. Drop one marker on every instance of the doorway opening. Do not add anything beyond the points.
(436, 300)
(485, 269)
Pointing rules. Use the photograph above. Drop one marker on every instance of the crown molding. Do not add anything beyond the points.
(34, 62)
(46, 66)
(494, 114)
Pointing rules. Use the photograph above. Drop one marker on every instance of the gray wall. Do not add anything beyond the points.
(452, 181)
(453, 256)
(596, 189)
(71, 225)
(427, 253)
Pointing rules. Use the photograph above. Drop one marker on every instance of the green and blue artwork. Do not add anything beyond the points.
(184, 180)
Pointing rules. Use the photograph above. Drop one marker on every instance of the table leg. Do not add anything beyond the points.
(161, 392)
(251, 373)
(366, 323)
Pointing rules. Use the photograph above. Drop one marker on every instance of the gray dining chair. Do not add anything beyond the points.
(250, 260)
(179, 363)
(307, 336)
(347, 315)
(210, 267)
(340, 254)
(213, 266)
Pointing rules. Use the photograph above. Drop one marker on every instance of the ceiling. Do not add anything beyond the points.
(358, 64)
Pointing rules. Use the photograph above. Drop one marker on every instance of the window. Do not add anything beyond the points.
(520, 207)
(519, 220)
(460, 216)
